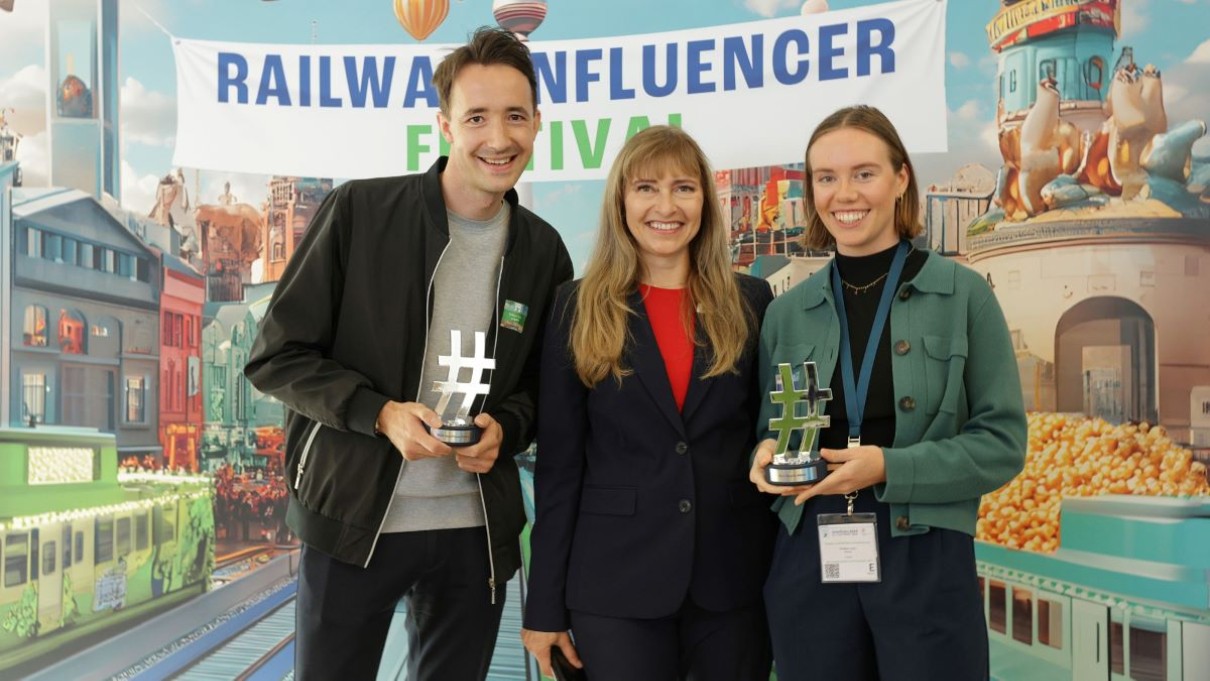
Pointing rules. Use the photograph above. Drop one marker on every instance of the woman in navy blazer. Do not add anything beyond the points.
(650, 544)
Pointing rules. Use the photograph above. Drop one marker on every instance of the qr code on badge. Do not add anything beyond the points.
(831, 570)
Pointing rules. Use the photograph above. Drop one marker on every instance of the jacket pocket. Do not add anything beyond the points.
(945, 367)
(303, 458)
(609, 500)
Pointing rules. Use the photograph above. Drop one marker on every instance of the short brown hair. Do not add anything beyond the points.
(487, 46)
(873, 121)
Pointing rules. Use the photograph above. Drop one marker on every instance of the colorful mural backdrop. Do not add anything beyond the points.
(142, 479)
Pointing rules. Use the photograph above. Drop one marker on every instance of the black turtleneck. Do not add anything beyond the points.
(878, 424)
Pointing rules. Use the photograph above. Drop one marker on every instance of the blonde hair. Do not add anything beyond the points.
(873, 121)
(599, 329)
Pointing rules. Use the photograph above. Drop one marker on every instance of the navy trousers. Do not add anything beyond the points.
(923, 621)
(693, 644)
(344, 611)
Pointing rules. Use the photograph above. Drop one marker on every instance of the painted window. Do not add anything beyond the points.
(1148, 650)
(1023, 616)
(1046, 69)
(71, 332)
(66, 546)
(1050, 623)
(34, 330)
(136, 388)
(997, 606)
(16, 559)
(103, 546)
(1094, 73)
(123, 536)
(33, 397)
(141, 532)
(48, 557)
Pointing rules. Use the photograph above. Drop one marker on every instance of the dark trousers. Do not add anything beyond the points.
(344, 611)
(693, 644)
(923, 621)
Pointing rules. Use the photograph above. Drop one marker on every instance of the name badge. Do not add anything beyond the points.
(514, 316)
(848, 547)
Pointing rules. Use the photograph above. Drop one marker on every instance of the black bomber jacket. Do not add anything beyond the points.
(345, 332)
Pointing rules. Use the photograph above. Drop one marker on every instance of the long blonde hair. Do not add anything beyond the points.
(599, 328)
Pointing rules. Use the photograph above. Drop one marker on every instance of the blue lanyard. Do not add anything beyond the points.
(855, 392)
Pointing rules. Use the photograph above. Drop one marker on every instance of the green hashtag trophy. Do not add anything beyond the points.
(804, 466)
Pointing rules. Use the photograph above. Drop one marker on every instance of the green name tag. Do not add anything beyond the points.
(514, 316)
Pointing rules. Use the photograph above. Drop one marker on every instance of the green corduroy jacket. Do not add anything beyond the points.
(960, 429)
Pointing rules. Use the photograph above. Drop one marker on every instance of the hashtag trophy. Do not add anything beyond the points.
(459, 430)
(805, 466)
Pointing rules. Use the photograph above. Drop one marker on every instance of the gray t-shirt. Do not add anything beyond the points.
(434, 494)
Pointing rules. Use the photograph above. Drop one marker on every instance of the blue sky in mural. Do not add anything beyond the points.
(1171, 34)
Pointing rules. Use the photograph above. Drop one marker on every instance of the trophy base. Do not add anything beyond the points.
(457, 435)
(791, 474)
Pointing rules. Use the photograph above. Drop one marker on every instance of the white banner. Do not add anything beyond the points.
(750, 93)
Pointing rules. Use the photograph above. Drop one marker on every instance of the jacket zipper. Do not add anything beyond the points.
(306, 452)
(487, 523)
(428, 296)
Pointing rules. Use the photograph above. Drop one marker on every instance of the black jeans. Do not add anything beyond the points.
(344, 611)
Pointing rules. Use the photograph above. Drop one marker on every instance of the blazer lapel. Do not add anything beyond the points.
(698, 386)
(648, 364)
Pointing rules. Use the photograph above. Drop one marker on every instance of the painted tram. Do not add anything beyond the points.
(84, 546)
(1125, 597)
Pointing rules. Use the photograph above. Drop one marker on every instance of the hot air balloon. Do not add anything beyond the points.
(521, 17)
(421, 17)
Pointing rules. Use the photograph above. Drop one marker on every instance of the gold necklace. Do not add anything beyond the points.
(858, 290)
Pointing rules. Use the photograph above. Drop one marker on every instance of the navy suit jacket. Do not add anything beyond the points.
(638, 505)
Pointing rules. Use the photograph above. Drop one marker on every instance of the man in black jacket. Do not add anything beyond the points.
(351, 344)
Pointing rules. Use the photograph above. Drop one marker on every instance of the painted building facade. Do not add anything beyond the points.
(181, 300)
(84, 320)
(292, 203)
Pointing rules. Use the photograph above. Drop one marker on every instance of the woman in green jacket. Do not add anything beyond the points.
(873, 574)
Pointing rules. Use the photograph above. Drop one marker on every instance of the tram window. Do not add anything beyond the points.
(1023, 615)
(33, 553)
(103, 546)
(1050, 623)
(123, 536)
(1148, 651)
(997, 615)
(140, 531)
(48, 558)
(79, 545)
(16, 559)
(164, 531)
(66, 546)
(1117, 652)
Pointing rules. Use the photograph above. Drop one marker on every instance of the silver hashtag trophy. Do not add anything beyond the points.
(458, 429)
(805, 466)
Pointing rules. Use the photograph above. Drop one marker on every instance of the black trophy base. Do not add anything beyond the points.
(457, 435)
(791, 474)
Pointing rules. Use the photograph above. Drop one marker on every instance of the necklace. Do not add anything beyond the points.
(858, 290)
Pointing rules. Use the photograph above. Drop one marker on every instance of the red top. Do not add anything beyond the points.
(676, 344)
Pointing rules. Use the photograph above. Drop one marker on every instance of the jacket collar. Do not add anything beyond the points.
(434, 203)
(936, 276)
